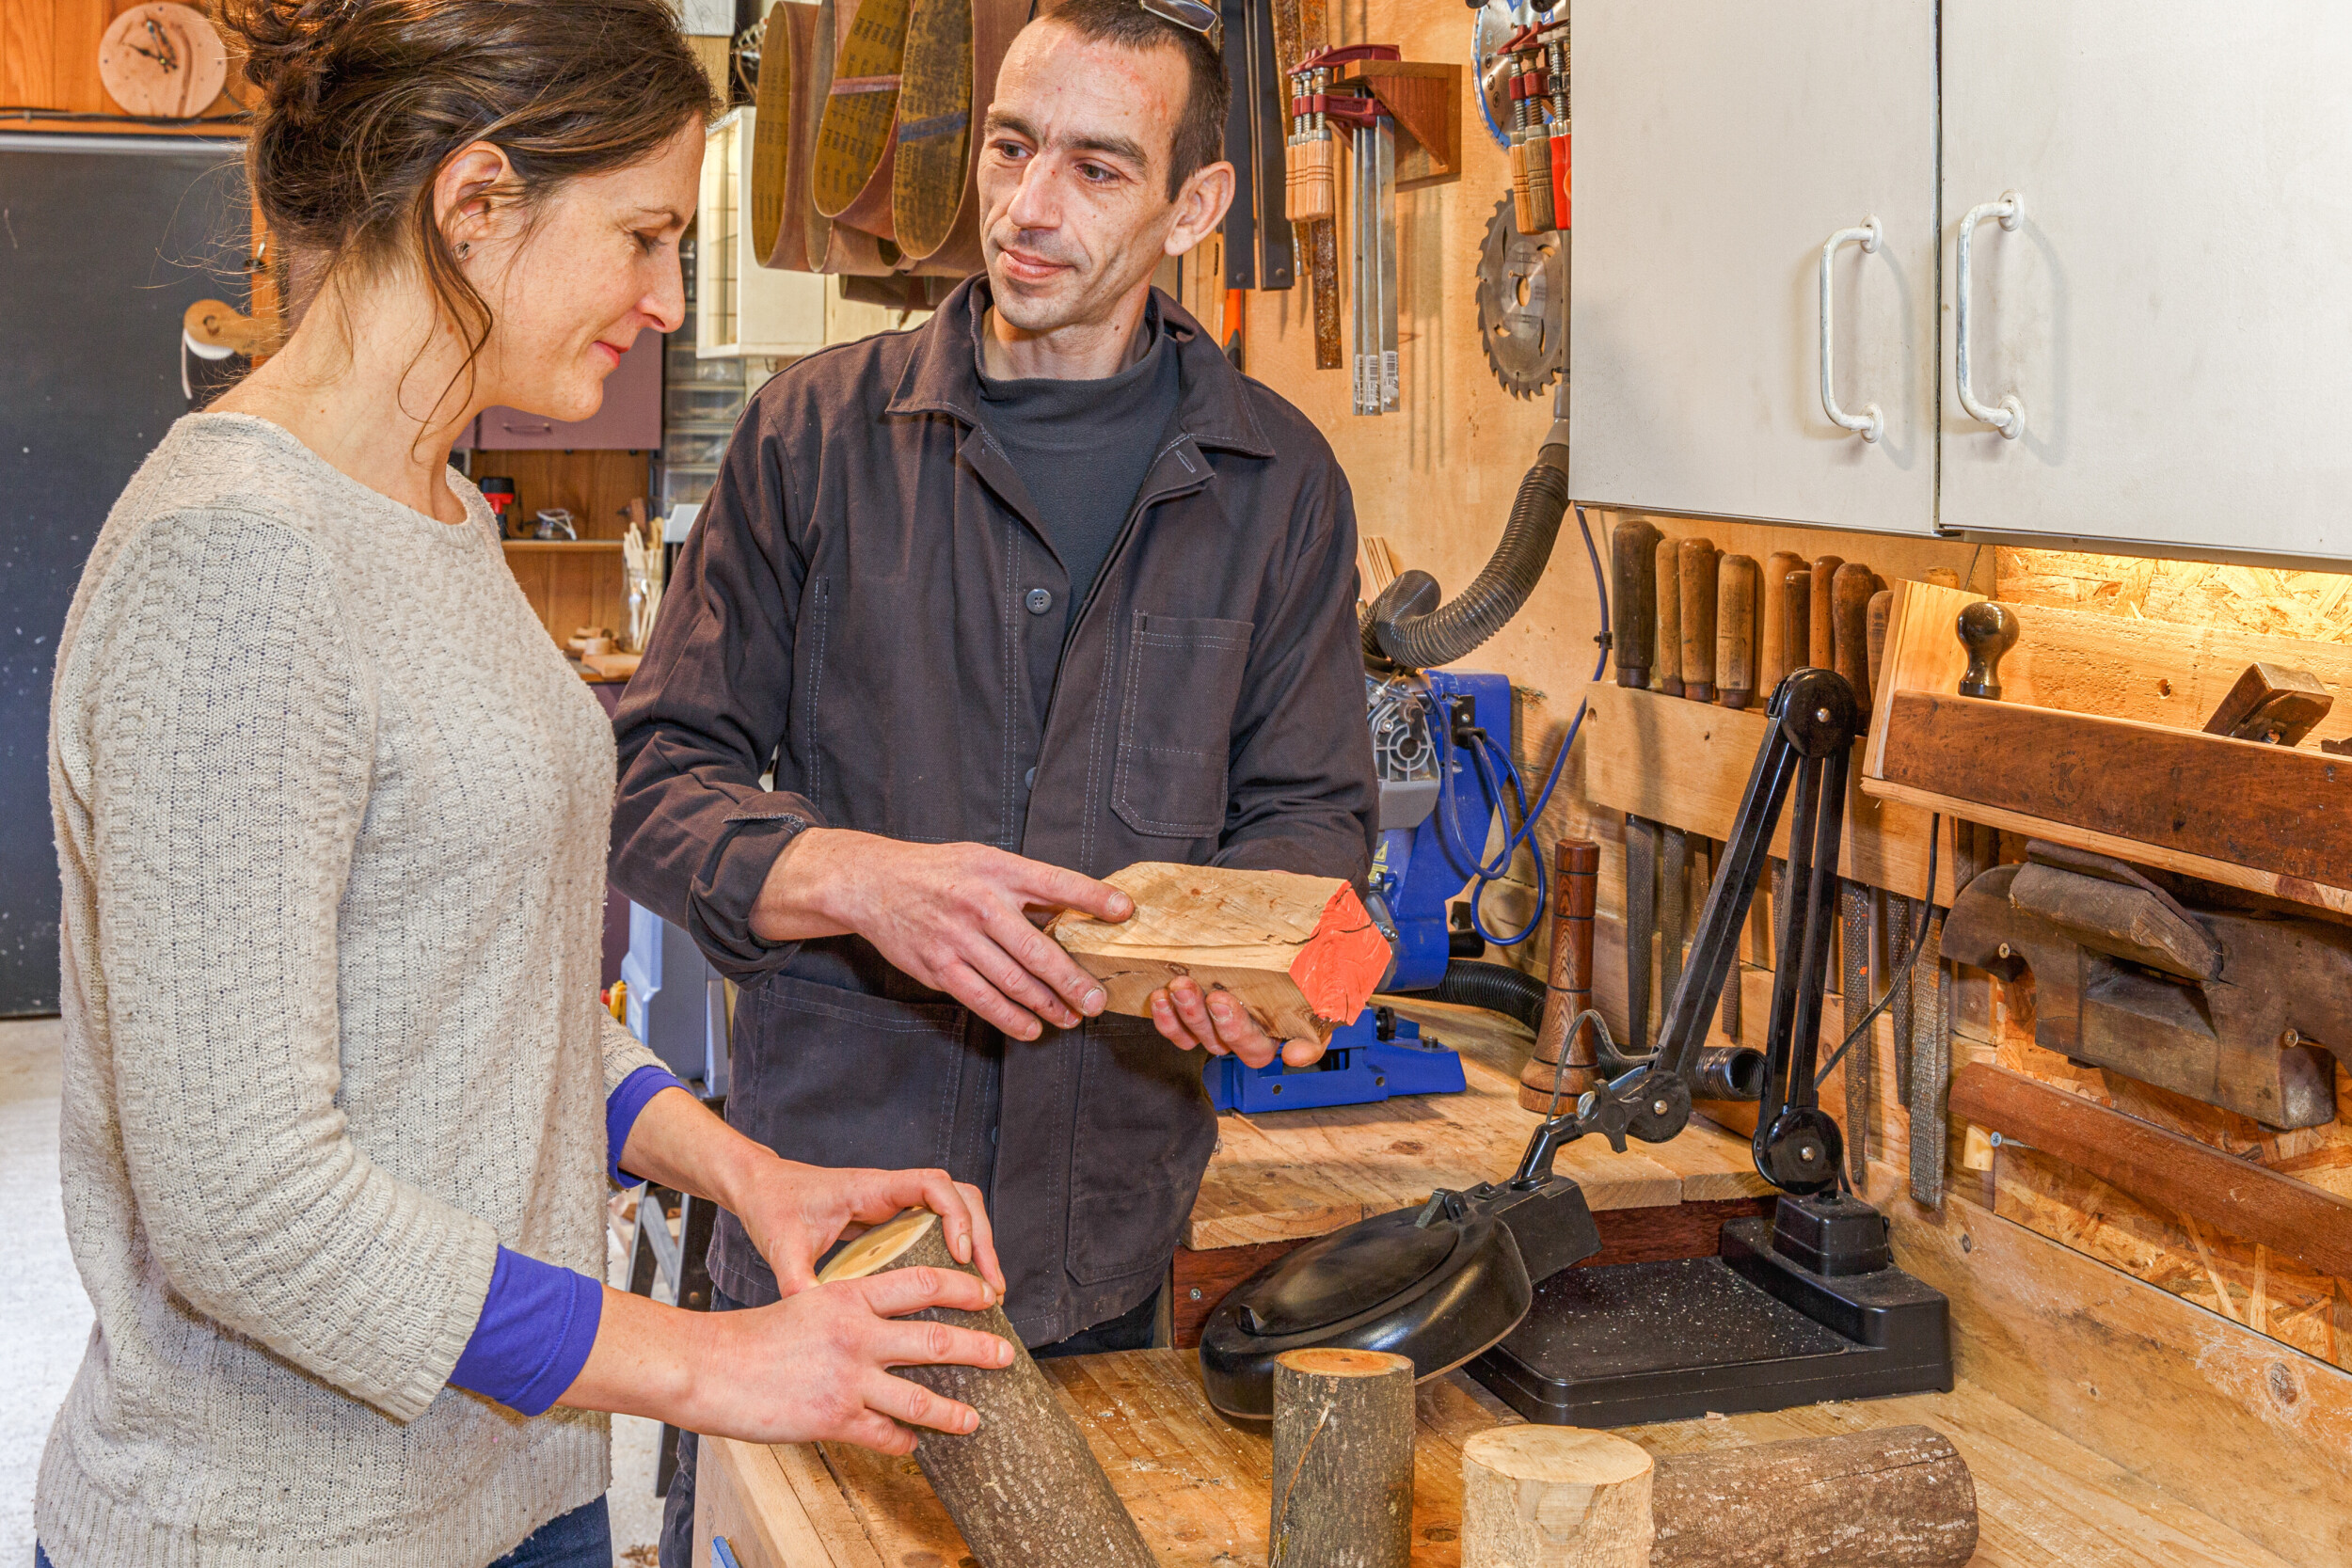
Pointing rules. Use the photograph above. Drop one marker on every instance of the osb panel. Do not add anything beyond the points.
(2315, 606)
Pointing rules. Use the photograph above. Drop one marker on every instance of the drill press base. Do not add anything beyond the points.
(1751, 1329)
(1378, 1057)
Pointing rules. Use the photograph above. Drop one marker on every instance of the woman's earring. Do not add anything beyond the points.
(465, 249)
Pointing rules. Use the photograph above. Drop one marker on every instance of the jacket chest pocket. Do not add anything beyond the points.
(1176, 722)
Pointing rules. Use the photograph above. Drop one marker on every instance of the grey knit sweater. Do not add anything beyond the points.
(331, 812)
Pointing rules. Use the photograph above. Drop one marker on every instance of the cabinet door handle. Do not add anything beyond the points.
(2010, 418)
(543, 427)
(1867, 422)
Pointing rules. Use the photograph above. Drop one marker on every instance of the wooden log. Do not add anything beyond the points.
(1299, 952)
(1023, 1488)
(1895, 1498)
(1666, 672)
(1698, 567)
(2161, 1169)
(1822, 641)
(1735, 631)
(1547, 1496)
(1342, 1491)
(1776, 654)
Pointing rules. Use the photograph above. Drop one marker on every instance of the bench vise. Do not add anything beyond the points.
(2229, 1007)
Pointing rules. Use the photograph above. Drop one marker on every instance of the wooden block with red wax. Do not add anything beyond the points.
(1300, 953)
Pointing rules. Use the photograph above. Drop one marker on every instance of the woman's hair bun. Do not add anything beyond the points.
(289, 47)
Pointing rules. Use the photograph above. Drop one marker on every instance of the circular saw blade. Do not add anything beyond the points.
(1522, 305)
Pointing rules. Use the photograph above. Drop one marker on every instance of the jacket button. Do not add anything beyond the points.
(1040, 601)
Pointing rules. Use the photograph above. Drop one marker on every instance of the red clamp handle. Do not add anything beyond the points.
(1344, 53)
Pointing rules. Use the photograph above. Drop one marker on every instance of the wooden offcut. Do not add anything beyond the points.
(1342, 1483)
(1551, 1497)
(1894, 1497)
(1023, 1488)
(1299, 952)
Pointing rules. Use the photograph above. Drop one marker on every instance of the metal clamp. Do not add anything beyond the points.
(1867, 423)
(2010, 418)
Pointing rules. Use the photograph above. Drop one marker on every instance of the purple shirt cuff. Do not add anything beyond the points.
(621, 1108)
(537, 1326)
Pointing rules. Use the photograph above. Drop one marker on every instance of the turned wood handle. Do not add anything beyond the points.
(1822, 640)
(1633, 600)
(1666, 673)
(1698, 619)
(1776, 655)
(1796, 604)
(1881, 607)
(1735, 631)
(1850, 620)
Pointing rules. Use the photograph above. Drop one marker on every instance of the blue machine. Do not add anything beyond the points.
(1436, 797)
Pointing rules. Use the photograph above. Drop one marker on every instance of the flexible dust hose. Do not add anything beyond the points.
(1405, 626)
(1496, 988)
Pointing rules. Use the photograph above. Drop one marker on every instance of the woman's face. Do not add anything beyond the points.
(571, 288)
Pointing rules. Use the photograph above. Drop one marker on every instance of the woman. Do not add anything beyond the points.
(332, 814)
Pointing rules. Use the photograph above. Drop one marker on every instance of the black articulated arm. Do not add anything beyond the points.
(1816, 720)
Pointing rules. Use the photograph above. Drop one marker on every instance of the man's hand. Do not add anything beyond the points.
(1218, 1022)
(793, 1213)
(962, 918)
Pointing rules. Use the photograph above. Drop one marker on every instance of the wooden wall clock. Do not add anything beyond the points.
(163, 60)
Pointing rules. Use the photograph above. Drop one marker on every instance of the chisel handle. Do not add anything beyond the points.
(1822, 641)
(1849, 613)
(1698, 619)
(1633, 600)
(1881, 609)
(1735, 631)
(1796, 611)
(1774, 658)
(1666, 675)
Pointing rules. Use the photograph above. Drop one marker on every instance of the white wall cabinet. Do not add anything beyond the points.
(2170, 305)
(1718, 145)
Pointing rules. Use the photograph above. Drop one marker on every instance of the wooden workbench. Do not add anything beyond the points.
(1198, 1487)
(1279, 1180)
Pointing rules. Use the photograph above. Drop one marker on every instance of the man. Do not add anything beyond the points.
(1034, 591)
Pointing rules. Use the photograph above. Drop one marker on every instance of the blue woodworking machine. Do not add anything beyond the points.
(1436, 800)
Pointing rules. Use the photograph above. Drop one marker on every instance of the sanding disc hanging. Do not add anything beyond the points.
(837, 248)
(782, 132)
(857, 135)
(954, 49)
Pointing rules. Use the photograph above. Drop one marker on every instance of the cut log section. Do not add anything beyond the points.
(1299, 952)
(1895, 1497)
(1342, 1459)
(1023, 1488)
(1547, 1496)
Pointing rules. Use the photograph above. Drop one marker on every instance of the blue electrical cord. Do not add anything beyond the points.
(1485, 873)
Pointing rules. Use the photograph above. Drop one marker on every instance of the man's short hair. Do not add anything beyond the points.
(1198, 136)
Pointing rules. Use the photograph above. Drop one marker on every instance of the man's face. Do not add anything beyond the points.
(1073, 177)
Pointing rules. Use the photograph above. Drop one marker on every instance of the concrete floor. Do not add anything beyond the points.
(47, 1317)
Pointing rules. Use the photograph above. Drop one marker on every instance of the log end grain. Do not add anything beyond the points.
(1548, 1496)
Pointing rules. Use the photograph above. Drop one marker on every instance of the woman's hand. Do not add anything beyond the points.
(793, 1213)
(812, 1368)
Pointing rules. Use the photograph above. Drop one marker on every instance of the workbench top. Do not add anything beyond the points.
(1198, 1487)
(1291, 1175)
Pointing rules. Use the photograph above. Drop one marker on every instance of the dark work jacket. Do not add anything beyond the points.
(859, 603)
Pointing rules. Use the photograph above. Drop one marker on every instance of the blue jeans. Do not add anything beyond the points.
(580, 1539)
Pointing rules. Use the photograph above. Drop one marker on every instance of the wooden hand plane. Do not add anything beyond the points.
(2235, 1009)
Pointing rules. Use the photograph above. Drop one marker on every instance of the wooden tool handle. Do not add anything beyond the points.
(1796, 608)
(1881, 606)
(1735, 631)
(1024, 1489)
(1987, 629)
(1569, 989)
(1666, 675)
(1849, 618)
(1698, 619)
(1633, 600)
(1821, 641)
(1775, 655)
